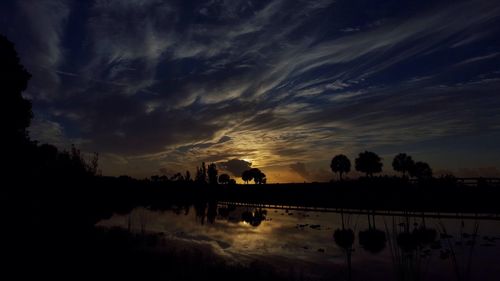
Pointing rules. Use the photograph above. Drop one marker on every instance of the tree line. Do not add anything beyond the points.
(209, 175)
(370, 163)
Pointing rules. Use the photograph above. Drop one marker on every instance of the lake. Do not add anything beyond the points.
(328, 244)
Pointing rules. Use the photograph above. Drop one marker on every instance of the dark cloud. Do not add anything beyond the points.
(224, 139)
(235, 166)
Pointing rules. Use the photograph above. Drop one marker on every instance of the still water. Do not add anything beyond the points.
(347, 245)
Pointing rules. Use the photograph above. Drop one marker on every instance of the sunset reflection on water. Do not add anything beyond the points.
(303, 241)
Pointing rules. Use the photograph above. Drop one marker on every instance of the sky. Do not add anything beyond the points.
(156, 87)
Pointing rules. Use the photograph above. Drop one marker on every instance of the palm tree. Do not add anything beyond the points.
(368, 162)
(402, 163)
(340, 164)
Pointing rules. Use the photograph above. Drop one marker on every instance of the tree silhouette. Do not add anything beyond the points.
(212, 174)
(340, 164)
(16, 113)
(13, 80)
(368, 162)
(255, 174)
(48, 162)
(246, 176)
(402, 163)
(421, 170)
(79, 165)
(258, 176)
(177, 177)
(201, 174)
(224, 179)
